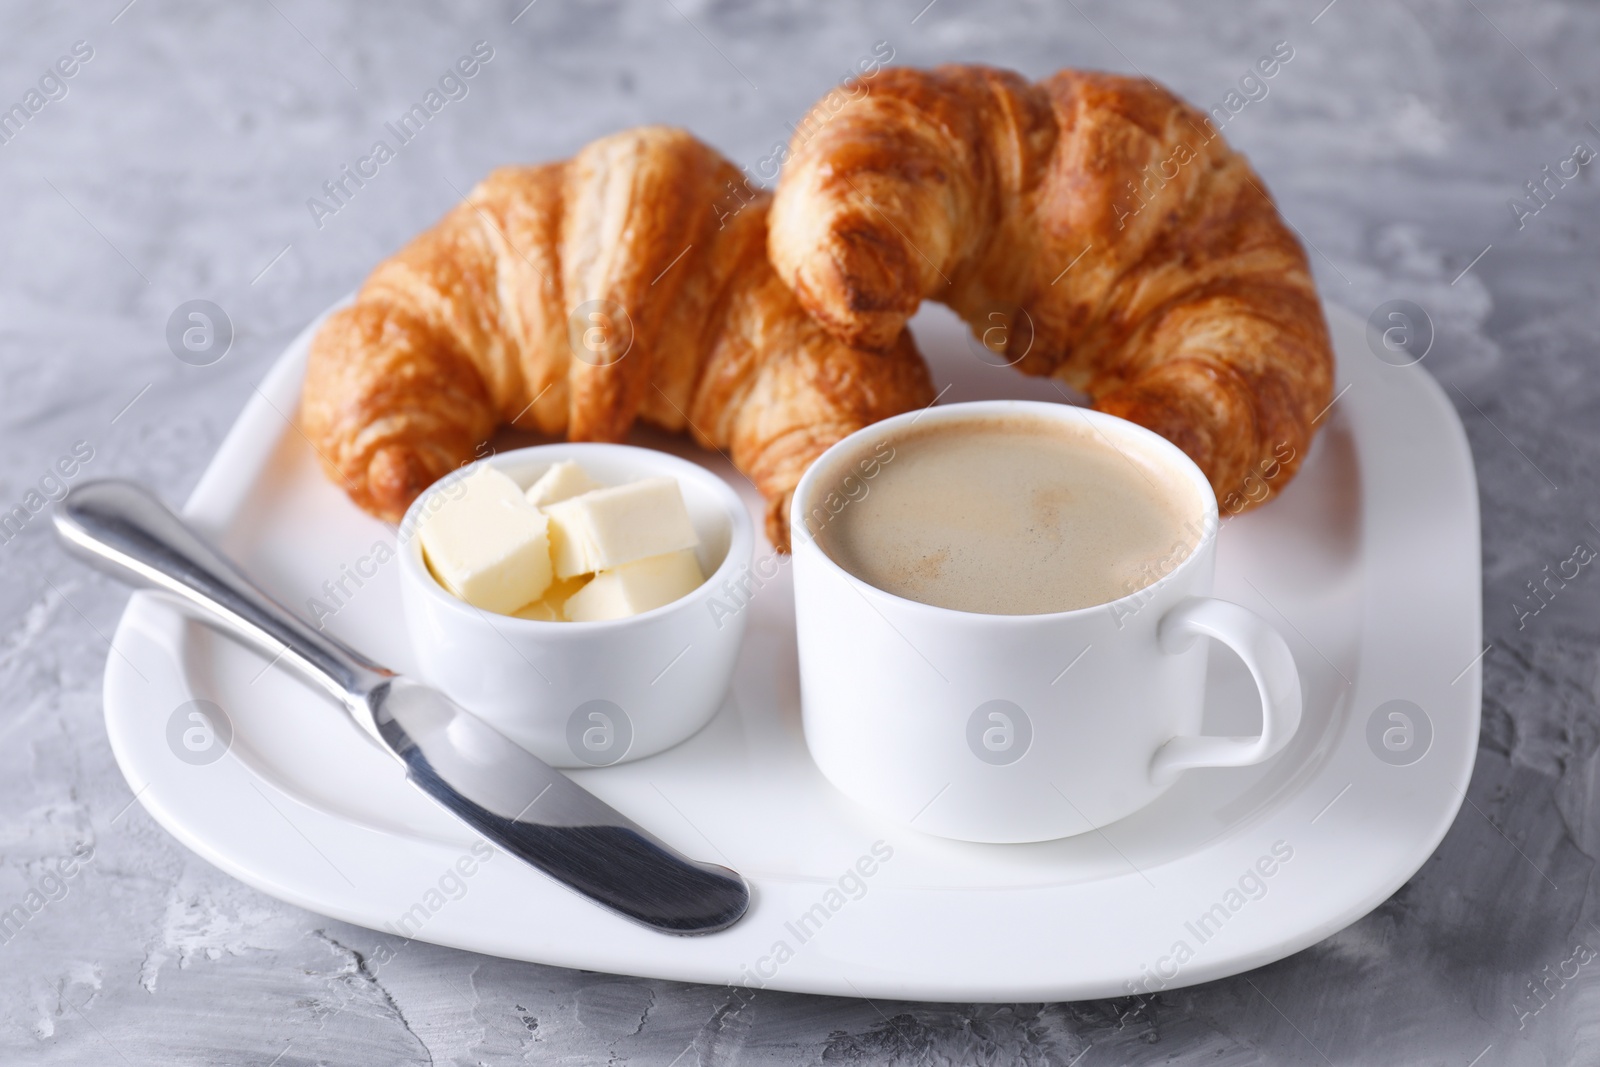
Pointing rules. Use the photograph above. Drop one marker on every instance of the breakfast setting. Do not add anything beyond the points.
(981, 562)
(1001, 610)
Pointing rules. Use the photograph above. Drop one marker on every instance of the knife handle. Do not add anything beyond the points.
(120, 528)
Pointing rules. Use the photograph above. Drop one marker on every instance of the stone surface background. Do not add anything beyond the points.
(178, 166)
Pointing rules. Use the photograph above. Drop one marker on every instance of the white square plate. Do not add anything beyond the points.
(1369, 563)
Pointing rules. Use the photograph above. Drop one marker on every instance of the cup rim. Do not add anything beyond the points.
(741, 538)
(1209, 520)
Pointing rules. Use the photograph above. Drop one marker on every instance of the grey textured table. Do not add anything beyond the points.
(177, 162)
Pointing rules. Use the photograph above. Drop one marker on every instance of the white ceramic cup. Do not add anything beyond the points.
(1012, 728)
(579, 694)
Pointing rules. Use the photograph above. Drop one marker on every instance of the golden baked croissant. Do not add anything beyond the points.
(1091, 227)
(571, 298)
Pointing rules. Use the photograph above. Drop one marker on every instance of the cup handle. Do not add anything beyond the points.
(1271, 665)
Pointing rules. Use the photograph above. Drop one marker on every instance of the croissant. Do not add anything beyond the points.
(630, 282)
(1091, 227)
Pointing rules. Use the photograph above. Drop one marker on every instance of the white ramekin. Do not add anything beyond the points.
(581, 694)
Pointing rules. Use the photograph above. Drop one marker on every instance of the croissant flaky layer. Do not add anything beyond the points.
(576, 297)
(1090, 227)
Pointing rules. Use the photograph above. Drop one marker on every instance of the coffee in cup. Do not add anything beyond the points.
(1000, 609)
(1011, 515)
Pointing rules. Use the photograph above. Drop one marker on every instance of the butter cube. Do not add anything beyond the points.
(562, 481)
(548, 607)
(487, 544)
(606, 528)
(636, 587)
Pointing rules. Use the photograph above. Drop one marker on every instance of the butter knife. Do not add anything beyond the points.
(511, 797)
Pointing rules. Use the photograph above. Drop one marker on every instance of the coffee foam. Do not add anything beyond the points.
(1011, 514)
